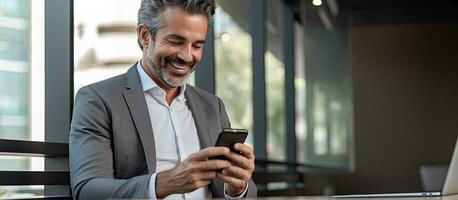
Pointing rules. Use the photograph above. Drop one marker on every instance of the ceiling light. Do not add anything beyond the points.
(225, 37)
(317, 2)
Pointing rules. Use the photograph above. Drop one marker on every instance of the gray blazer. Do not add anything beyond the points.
(112, 152)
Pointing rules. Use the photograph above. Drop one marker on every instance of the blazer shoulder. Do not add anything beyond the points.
(107, 87)
(113, 83)
(202, 93)
(117, 83)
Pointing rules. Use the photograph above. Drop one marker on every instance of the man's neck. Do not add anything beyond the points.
(170, 94)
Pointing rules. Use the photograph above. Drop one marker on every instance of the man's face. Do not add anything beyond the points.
(177, 47)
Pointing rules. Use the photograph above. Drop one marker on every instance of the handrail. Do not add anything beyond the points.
(32, 148)
(269, 177)
(34, 178)
(294, 164)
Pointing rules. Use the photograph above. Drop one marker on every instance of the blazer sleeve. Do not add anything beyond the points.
(225, 123)
(224, 119)
(91, 156)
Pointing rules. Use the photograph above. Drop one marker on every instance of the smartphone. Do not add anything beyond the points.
(228, 137)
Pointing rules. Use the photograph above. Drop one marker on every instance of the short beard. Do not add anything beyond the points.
(160, 73)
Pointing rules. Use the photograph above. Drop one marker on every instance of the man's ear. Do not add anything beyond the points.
(143, 36)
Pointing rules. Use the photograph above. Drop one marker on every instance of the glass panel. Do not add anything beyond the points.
(233, 62)
(14, 76)
(22, 70)
(15, 44)
(21, 86)
(13, 100)
(300, 85)
(19, 163)
(105, 43)
(328, 111)
(15, 8)
(275, 84)
(17, 192)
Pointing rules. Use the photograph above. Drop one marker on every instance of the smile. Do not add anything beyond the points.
(178, 68)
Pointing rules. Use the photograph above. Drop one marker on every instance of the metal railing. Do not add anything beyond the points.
(34, 149)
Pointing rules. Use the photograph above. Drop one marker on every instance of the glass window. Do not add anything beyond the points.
(233, 62)
(300, 91)
(275, 84)
(105, 43)
(15, 9)
(15, 43)
(21, 70)
(14, 67)
(328, 111)
(21, 192)
(21, 85)
(14, 105)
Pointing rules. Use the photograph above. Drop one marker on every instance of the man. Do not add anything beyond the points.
(146, 134)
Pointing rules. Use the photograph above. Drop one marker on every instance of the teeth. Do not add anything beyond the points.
(177, 65)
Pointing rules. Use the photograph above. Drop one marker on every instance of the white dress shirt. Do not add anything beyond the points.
(175, 134)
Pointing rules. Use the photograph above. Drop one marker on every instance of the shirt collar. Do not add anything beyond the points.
(149, 85)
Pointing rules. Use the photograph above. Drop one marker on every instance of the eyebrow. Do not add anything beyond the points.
(179, 37)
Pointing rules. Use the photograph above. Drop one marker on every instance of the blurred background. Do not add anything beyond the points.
(339, 96)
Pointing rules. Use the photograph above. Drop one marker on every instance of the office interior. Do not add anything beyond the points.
(339, 96)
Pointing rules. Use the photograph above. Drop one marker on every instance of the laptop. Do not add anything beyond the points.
(450, 186)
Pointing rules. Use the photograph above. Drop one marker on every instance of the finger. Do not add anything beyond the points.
(200, 184)
(234, 182)
(238, 173)
(241, 161)
(204, 154)
(210, 165)
(244, 149)
(204, 175)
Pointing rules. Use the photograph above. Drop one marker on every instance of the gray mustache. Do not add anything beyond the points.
(180, 61)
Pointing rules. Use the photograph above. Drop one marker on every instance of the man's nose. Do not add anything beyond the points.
(186, 53)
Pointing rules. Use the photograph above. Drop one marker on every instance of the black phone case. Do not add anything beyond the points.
(228, 138)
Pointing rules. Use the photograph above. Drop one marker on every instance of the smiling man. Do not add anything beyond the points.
(146, 134)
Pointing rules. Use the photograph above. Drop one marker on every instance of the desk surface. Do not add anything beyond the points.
(450, 197)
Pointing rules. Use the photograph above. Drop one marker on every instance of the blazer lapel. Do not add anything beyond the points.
(135, 100)
(200, 117)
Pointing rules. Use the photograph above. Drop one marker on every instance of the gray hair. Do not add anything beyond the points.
(150, 12)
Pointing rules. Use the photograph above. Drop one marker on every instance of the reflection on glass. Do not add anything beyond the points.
(21, 85)
(338, 129)
(18, 192)
(21, 70)
(14, 105)
(105, 43)
(14, 69)
(233, 64)
(320, 129)
(300, 91)
(328, 100)
(330, 126)
(275, 81)
(19, 163)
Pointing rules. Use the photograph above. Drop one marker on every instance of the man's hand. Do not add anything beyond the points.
(239, 173)
(193, 173)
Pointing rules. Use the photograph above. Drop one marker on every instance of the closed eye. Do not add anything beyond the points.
(175, 42)
(197, 46)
